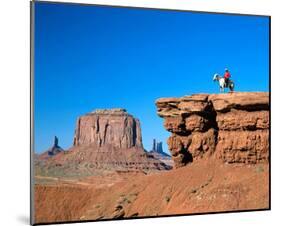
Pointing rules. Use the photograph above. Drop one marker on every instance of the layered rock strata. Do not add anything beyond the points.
(233, 127)
(114, 127)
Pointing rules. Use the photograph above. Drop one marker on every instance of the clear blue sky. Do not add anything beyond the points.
(89, 57)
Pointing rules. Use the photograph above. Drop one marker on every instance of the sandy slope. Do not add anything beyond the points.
(182, 191)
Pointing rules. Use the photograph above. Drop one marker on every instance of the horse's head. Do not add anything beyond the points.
(216, 77)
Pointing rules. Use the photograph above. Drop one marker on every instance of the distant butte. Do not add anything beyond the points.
(105, 140)
(108, 127)
(158, 153)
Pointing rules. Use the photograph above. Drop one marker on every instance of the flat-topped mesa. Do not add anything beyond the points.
(112, 111)
(105, 141)
(233, 127)
(108, 127)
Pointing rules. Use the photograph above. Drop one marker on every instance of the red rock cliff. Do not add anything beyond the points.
(114, 127)
(233, 127)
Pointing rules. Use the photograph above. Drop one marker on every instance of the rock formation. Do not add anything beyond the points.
(55, 149)
(158, 153)
(51, 152)
(157, 148)
(98, 180)
(104, 141)
(233, 128)
(114, 127)
(154, 145)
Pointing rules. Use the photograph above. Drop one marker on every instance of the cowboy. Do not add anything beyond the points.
(226, 77)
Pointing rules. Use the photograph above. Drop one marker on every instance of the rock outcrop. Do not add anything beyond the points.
(51, 152)
(114, 127)
(55, 149)
(158, 148)
(233, 128)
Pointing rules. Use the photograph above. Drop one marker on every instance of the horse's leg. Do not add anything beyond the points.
(231, 88)
(222, 85)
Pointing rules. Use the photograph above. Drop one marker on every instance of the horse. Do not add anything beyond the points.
(222, 83)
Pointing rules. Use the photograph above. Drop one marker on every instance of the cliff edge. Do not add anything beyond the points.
(232, 127)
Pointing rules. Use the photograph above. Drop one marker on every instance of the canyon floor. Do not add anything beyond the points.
(203, 186)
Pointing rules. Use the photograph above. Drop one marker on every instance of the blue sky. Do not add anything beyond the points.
(89, 57)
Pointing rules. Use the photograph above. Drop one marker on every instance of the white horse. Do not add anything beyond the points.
(222, 83)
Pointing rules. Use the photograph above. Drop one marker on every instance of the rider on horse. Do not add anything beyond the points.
(224, 82)
(226, 77)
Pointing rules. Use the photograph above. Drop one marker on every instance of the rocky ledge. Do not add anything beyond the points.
(232, 127)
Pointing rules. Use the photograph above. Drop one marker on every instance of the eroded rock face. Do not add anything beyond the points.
(231, 127)
(105, 141)
(114, 127)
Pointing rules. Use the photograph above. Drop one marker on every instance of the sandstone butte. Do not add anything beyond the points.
(105, 140)
(230, 127)
(113, 127)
